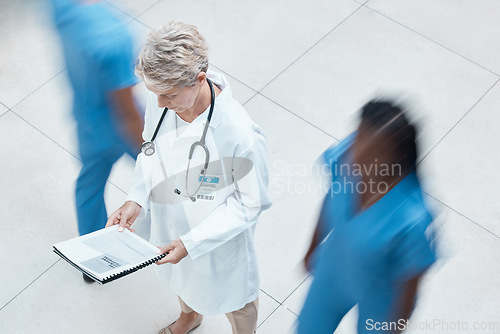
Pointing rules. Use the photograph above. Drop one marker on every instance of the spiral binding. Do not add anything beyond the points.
(131, 270)
(114, 276)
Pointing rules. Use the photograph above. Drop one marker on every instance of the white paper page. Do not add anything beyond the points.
(107, 251)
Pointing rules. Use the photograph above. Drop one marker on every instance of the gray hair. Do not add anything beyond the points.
(173, 55)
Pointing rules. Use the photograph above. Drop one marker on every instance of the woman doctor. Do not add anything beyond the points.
(203, 175)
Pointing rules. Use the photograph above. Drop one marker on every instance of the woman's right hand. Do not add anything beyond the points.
(125, 216)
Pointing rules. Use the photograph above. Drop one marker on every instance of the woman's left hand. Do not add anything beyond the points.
(176, 252)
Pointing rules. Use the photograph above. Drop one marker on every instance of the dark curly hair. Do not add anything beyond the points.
(389, 120)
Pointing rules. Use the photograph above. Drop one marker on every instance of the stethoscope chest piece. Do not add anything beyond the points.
(148, 148)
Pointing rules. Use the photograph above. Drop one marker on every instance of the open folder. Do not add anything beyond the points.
(107, 254)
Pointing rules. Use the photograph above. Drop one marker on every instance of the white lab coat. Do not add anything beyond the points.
(220, 273)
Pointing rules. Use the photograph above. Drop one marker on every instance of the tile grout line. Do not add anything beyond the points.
(254, 95)
(281, 304)
(120, 10)
(267, 294)
(310, 48)
(431, 40)
(133, 18)
(145, 10)
(455, 125)
(5, 112)
(291, 64)
(212, 64)
(305, 279)
(36, 89)
(53, 77)
(27, 286)
(269, 316)
(52, 140)
(461, 214)
(141, 23)
(120, 189)
(300, 117)
(144, 24)
(364, 5)
(260, 90)
(236, 79)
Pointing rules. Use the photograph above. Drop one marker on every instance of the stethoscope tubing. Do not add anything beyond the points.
(148, 148)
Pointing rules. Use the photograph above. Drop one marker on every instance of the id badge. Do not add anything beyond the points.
(209, 187)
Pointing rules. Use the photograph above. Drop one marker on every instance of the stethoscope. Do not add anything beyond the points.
(148, 148)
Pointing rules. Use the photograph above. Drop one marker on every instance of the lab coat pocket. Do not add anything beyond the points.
(221, 259)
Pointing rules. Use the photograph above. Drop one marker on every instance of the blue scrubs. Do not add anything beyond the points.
(99, 60)
(369, 255)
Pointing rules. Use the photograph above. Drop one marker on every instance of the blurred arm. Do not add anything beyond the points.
(316, 240)
(407, 300)
(128, 116)
(320, 233)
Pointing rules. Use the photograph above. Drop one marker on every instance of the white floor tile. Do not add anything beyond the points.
(139, 33)
(283, 231)
(138, 303)
(122, 172)
(368, 56)
(468, 27)
(36, 203)
(281, 321)
(467, 161)
(30, 49)
(254, 40)
(49, 110)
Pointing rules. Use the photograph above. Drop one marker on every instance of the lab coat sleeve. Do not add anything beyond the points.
(138, 191)
(241, 209)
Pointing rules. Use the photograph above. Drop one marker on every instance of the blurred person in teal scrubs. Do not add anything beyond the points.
(371, 244)
(100, 65)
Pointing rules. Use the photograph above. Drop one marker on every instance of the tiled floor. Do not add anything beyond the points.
(302, 69)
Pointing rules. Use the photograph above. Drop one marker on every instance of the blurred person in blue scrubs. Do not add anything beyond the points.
(371, 244)
(99, 62)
